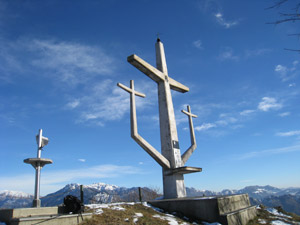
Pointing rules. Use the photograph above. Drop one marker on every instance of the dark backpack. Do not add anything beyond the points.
(73, 204)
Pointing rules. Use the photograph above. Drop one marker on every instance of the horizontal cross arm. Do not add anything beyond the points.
(146, 68)
(130, 90)
(176, 86)
(189, 114)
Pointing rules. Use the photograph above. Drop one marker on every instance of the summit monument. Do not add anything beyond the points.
(228, 210)
(170, 158)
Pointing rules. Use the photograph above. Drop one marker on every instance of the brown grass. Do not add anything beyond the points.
(118, 217)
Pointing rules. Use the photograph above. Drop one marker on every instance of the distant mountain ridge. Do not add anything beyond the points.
(256, 192)
(287, 198)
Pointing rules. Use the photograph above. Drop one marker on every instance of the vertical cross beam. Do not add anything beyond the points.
(38, 163)
(36, 200)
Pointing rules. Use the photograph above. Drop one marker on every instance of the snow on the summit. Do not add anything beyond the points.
(118, 208)
(18, 194)
(259, 190)
(102, 186)
(279, 222)
(261, 221)
(136, 217)
(172, 220)
(276, 213)
(216, 223)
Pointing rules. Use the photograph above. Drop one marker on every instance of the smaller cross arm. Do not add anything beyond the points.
(131, 91)
(189, 114)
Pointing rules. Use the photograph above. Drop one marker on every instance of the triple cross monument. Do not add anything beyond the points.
(170, 158)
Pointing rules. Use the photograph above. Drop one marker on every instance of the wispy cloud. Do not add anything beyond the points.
(287, 73)
(68, 62)
(198, 44)
(73, 104)
(225, 23)
(205, 126)
(71, 62)
(284, 114)
(268, 103)
(104, 101)
(228, 54)
(81, 160)
(247, 112)
(58, 178)
(266, 153)
(289, 133)
(257, 52)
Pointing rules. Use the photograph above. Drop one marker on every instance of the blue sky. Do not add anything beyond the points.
(60, 62)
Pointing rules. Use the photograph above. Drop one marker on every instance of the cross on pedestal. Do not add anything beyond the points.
(38, 163)
(170, 157)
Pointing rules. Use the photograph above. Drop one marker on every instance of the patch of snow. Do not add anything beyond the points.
(170, 218)
(98, 211)
(216, 223)
(261, 221)
(97, 206)
(136, 217)
(18, 194)
(279, 222)
(118, 208)
(259, 190)
(276, 213)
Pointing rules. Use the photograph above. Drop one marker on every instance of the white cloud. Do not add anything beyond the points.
(198, 44)
(228, 54)
(269, 103)
(267, 153)
(56, 179)
(287, 73)
(247, 112)
(107, 102)
(220, 19)
(256, 52)
(292, 85)
(205, 126)
(68, 62)
(289, 133)
(71, 62)
(284, 114)
(73, 104)
(81, 160)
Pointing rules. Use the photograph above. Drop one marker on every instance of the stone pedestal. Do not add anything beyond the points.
(43, 215)
(227, 210)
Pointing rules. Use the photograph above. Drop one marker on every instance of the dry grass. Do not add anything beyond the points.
(263, 214)
(127, 216)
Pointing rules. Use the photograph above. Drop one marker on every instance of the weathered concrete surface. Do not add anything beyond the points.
(170, 158)
(231, 210)
(43, 215)
(28, 212)
(70, 219)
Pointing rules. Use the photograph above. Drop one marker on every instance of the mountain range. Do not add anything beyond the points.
(287, 198)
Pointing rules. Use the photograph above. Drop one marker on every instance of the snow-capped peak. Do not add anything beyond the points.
(16, 194)
(102, 186)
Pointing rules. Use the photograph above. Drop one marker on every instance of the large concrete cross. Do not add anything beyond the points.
(170, 157)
